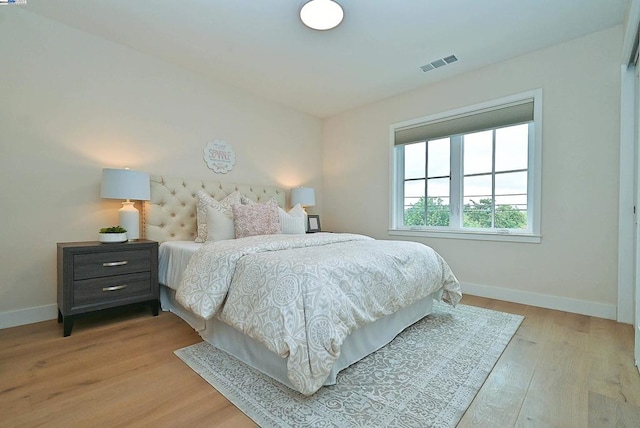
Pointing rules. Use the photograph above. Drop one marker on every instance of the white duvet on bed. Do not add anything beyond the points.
(301, 295)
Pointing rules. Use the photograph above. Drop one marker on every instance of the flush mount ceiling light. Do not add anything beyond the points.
(321, 14)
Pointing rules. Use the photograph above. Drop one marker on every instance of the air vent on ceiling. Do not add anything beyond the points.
(439, 63)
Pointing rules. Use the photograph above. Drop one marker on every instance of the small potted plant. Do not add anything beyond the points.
(113, 234)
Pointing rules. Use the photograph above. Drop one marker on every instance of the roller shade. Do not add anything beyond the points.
(512, 114)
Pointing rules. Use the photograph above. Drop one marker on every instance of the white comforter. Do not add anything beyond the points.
(301, 295)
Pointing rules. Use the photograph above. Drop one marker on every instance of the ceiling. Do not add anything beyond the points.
(262, 47)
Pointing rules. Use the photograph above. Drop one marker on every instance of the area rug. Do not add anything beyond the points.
(426, 377)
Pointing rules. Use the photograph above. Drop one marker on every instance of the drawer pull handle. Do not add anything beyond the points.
(115, 288)
(109, 264)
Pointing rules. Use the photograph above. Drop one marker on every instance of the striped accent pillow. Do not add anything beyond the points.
(294, 221)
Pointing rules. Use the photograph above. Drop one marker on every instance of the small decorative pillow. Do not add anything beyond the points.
(219, 225)
(292, 222)
(256, 219)
(203, 201)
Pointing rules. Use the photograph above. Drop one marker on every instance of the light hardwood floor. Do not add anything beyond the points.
(559, 369)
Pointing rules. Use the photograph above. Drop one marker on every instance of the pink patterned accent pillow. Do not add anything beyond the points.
(256, 219)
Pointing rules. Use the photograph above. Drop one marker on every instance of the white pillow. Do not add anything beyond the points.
(292, 222)
(203, 202)
(219, 225)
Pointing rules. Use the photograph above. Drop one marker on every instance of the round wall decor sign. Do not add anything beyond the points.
(219, 156)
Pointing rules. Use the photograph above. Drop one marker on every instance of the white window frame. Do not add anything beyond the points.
(534, 178)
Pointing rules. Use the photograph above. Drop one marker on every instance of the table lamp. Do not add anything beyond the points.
(126, 184)
(306, 197)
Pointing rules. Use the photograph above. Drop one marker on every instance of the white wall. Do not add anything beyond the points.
(575, 266)
(71, 104)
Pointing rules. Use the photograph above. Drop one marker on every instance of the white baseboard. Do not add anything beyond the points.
(28, 316)
(576, 306)
(583, 307)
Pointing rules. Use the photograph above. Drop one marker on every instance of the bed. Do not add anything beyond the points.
(322, 307)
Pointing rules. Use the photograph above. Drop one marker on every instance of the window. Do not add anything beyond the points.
(472, 173)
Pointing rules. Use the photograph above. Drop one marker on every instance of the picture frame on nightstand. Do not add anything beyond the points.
(313, 223)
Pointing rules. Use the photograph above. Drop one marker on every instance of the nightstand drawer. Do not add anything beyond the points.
(96, 265)
(102, 290)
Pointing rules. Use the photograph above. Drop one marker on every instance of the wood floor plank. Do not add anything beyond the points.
(557, 394)
(605, 412)
(498, 403)
(612, 368)
(559, 369)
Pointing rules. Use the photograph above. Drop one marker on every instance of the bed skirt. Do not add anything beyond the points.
(356, 346)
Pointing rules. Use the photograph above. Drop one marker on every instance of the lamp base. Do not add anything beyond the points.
(130, 219)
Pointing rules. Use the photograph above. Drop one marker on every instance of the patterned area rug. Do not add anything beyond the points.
(426, 377)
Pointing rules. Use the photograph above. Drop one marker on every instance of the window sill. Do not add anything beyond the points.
(478, 236)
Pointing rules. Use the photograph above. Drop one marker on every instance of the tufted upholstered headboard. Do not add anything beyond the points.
(170, 214)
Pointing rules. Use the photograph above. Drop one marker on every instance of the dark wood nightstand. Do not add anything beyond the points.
(93, 276)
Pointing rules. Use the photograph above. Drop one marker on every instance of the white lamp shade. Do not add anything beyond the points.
(305, 196)
(125, 184)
